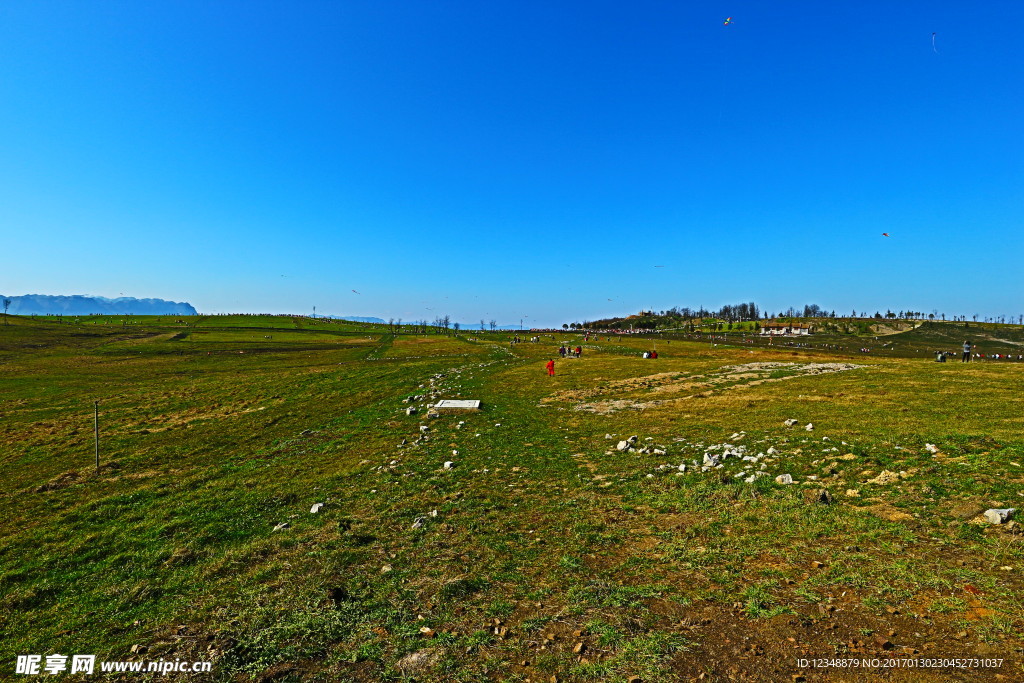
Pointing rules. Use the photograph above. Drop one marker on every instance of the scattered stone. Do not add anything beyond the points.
(385, 569)
(784, 479)
(931, 448)
(999, 515)
(410, 411)
(809, 427)
(848, 456)
(427, 631)
(432, 513)
(682, 467)
(424, 429)
(448, 464)
(658, 451)
(623, 446)
(790, 422)
(773, 451)
(139, 649)
(282, 526)
(579, 648)
(316, 508)
(852, 493)
(418, 523)
(885, 478)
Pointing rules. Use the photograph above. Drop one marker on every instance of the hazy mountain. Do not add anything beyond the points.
(77, 304)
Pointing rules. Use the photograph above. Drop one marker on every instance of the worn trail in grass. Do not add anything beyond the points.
(544, 550)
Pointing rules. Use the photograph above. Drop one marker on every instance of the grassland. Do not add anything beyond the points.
(544, 551)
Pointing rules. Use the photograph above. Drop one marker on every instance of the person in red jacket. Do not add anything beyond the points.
(551, 368)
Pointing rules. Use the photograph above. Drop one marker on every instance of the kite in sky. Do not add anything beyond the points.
(355, 292)
(885, 234)
(659, 266)
(933, 43)
(727, 21)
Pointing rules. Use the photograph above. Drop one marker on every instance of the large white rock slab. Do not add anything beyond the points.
(457, 404)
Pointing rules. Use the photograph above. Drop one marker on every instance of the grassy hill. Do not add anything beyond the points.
(544, 550)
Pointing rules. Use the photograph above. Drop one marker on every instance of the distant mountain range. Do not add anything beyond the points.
(77, 304)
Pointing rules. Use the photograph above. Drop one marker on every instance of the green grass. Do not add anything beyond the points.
(542, 527)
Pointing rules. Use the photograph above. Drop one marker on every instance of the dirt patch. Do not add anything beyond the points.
(702, 386)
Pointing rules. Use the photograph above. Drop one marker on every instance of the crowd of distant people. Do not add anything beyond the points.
(569, 352)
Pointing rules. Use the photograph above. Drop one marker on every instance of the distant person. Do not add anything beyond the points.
(967, 352)
(654, 354)
(579, 350)
(561, 351)
(646, 355)
(551, 367)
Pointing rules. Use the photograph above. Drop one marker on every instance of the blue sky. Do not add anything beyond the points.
(501, 160)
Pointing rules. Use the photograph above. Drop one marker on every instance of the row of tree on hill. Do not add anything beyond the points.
(734, 313)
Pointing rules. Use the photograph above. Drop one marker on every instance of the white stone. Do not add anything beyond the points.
(457, 404)
(448, 464)
(316, 508)
(999, 515)
(809, 427)
(623, 446)
(790, 422)
(931, 448)
(784, 479)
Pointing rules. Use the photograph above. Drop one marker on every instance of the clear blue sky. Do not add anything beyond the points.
(495, 160)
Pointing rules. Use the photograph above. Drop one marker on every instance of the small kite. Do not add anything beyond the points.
(885, 234)
(727, 21)
(933, 43)
(355, 292)
(659, 266)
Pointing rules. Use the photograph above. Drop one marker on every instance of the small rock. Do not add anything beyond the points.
(418, 522)
(385, 569)
(852, 493)
(282, 526)
(139, 649)
(809, 427)
(999, 515)
(316, 508)
(931, 448)
(784, 479)
(432, 513)
(790, 422)
(448, 464)
(579, 648)
(424, 429)
(410, 411)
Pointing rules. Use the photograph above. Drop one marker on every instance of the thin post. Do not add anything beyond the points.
(96, 430)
